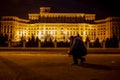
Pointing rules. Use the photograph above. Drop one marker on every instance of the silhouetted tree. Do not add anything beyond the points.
(97, 43)
(3, 39)
(107, 43)
(32, 39)
(31, 42)
(115, 42)
(48, 41)
(21, 42)
(37, 39)
(87, 40)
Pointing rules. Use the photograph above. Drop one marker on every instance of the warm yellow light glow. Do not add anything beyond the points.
(22, 33)
(57, 26)
(84, 33)
(65, 32)
(51, 32)
(44, 31)
(39, 35)
(84, 37)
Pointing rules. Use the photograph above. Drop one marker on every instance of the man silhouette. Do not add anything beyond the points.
(78, 50)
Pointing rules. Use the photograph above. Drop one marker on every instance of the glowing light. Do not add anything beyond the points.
(51, 32)
(39, 35)
(84, 33)
(23, 32)
(65, 32)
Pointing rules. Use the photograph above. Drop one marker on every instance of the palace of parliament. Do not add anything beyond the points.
(59, 26)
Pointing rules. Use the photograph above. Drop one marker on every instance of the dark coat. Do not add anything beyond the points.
(78, 47)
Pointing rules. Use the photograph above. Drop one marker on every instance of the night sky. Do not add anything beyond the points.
(21, 8)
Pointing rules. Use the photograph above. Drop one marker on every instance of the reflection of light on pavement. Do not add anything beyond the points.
(103, 55)
(112, 61)
(33, 54)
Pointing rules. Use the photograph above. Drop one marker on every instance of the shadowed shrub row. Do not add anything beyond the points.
(112, 42)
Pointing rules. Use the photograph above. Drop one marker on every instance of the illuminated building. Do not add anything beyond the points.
(59, 26)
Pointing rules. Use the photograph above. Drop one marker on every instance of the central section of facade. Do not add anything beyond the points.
(59, 26)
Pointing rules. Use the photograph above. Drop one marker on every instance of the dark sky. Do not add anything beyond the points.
(21, 8)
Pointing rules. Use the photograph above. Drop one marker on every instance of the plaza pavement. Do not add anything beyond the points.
(43, 65)
(62, 50)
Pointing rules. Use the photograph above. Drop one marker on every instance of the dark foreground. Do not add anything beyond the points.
(30, 66)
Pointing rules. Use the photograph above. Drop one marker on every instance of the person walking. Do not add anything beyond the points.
(77, 50)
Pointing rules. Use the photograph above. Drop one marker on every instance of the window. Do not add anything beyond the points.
(62, 28)
(62, 33)
(81, 32)
(73, 32)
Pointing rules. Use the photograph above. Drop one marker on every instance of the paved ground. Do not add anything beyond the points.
(32, 66)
